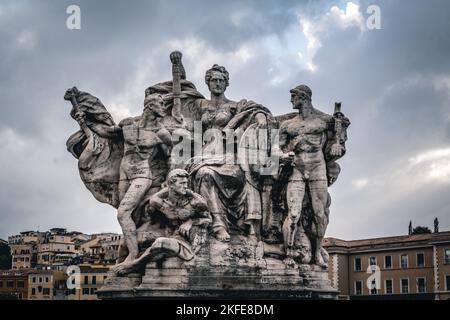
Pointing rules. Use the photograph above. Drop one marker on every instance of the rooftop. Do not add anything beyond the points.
(395, 240)
(16, 273)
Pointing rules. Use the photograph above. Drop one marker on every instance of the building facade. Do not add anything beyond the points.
(14, 284)
(402, 267)
(47, 285)
(55, 247)
(40, 261)
(24, 249)
(102, 248)
(91, 279)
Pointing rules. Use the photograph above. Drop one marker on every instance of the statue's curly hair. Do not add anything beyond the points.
(151, 97)
(302, 88)
(220, 69)
(176, 173)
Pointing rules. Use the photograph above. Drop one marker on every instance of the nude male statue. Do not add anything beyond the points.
(302, 140)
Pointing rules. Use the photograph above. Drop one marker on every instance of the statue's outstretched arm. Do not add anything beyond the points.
(112, 132)
(91, 114)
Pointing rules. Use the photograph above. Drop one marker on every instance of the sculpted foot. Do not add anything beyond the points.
(222, 235)
(319, 260)
(123, 268)
(289, 262)
(131, 257)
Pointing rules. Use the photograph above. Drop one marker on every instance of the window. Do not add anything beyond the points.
(46, 291)
(404, 285)
(373, 287)
(388, 288)
(94, 279)
(20, 284)
(34, 279)
(404, 261)
(373, 264)
(447, 256)
(86, 280)
(358, 287)
(46, 279)
(447, 282)
(387, 262)
(357, 264)
(85, 290)
(10, 284)
(1, 283)
(93, 291)
(33, 291)
(420, 260)
(40, 279)
(421, 285)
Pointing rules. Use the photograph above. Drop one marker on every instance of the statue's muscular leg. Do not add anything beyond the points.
(134, 195)
(295, 193)
(319, 196)
(124, 184)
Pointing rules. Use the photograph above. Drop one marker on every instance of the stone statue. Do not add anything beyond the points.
(215, 197)
(142, 136)
(311, 142)
(178, 218)
(436, 225)
(226, 187)
(183, 213)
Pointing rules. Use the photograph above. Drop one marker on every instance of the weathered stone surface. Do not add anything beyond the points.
(210, 204)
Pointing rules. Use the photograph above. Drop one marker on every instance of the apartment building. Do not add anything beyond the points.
(24, 249)
(401, 267)
(91, 279)
(55, 247)
(47, 285)
(101, 248)
(14, 284)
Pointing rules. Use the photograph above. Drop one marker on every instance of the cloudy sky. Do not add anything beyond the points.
(394, 84)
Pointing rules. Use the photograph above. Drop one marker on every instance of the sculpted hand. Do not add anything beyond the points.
(261, 121)
(71, 93)
(175, 57)
(80, 117)
(185, 228)
(331, 180)
(336, 150)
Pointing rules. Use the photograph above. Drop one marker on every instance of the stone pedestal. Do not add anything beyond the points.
(235, 270)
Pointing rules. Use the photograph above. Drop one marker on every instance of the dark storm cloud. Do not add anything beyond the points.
(392, 83)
